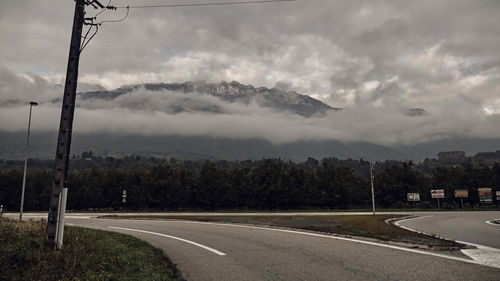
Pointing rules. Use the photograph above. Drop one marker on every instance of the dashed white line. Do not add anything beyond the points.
(172, 237)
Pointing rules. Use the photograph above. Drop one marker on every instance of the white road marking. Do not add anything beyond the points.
(493, 223)
(397, 223)
(77, 217)
(67, 216)
(415, 218)
(35, 216)
(172, 237)
(482, 254)
(346, 239)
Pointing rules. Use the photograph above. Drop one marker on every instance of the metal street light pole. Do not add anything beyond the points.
(373, 192)
(32, 103)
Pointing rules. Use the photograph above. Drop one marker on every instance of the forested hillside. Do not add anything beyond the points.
(270, 184)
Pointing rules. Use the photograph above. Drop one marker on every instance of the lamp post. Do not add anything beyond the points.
(373, 192)
(32, 103)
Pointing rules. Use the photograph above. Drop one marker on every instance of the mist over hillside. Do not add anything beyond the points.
(229, 120)
(379, 80)
(196, 148)
(205, 97)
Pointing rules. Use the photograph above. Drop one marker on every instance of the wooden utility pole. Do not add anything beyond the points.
(66, 124)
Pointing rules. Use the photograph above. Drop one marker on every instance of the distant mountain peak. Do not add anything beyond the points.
(412, 112)
(232, 92)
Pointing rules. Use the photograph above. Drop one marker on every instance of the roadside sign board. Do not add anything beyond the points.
(498, 195)
(461, 193)
(413, 197)
(485, 195)
(437, 193)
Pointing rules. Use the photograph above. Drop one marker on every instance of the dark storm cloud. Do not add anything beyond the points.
(375, 58)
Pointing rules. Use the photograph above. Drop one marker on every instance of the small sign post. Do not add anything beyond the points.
(461, 193)
(437, 193)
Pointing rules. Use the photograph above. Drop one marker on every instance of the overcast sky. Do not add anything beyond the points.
(374, 58)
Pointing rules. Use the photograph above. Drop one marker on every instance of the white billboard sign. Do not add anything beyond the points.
(413, 197)
(437, 193)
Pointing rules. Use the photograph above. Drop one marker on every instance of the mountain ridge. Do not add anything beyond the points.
(232, 92)
(229, 146)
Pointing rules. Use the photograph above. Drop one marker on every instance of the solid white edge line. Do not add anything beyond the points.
(67, 216)
(464, 251)
(172, 237)
(397, 223)
(415, 218)
(493, 223)
(342, 238)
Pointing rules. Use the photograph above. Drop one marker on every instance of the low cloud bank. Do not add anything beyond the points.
(164, 113)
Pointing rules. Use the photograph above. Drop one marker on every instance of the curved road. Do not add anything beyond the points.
(251, 253)
(470, 227)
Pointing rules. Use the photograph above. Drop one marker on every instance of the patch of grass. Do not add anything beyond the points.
(353, 225)
(87, 254)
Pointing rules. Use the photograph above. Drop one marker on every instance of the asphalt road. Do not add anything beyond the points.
(469, 227)
(243, 253)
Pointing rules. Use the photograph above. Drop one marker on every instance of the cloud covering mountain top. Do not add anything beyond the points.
(154, 110)
(376, 59)
(232, 92)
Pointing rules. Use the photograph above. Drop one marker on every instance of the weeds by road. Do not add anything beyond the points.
(87, 255)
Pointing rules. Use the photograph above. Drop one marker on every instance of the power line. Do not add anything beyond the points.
(86, 41)
(103, 9)
(200, 4)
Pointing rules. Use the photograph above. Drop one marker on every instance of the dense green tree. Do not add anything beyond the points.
(393, 184)
(269, 184)
(10, 189)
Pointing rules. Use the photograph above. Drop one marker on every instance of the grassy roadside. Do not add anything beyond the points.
(355, 225)
(87, 255)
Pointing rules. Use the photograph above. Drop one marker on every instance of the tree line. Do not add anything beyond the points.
(270, 184)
